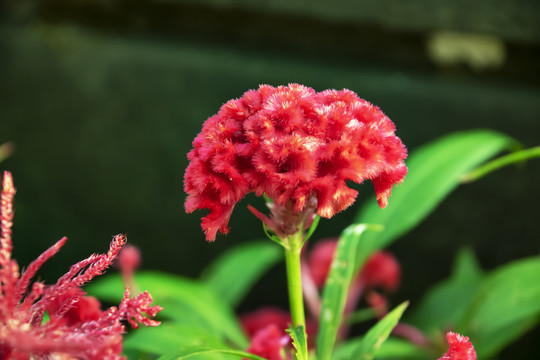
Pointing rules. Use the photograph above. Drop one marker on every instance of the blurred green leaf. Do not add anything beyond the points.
(205, 351)
(169, 338)
(446, 303)
(466, 267)
(506, 305)
(184, 301)
(516, 157)
(336, 289)
(377, 335)
(434, 171)
(232, 275)
(299, 342)
(391, 349)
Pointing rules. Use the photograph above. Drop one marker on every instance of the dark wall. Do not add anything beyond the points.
(102, 100)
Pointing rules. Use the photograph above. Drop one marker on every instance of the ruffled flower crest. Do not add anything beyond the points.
(295, 145)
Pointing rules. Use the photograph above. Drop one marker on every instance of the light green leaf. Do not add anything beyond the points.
(466, 266)
(336, 289)
(446, 303)
(183, 300)
(378, 334)
(506, 305)
(169, 338)
(391, 349)
(197, 351)
(513, 158)
(232, 275)
(434, 171)
(299, 342)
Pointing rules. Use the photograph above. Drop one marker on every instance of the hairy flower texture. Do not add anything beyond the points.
(380, 270)
(59, 321)
(295, 145)
(460, 348)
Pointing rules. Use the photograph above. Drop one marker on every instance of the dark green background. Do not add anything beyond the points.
(103, 98)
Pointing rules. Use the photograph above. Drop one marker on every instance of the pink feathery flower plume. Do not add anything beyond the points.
(58, 321)
(298, 147)
(460, 348)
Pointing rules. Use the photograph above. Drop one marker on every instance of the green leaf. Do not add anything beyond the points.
(232, 275)
(202, 350)
(299, 342)
(446, 303)
(506, 305)
(391, 349)
(378, 334)
(434, 171)
(513, 158)
(466, 267)
(184, 301)
(336, 289)
(169, 338)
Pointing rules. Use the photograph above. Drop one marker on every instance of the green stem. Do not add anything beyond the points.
(501, 162)
(293, 248)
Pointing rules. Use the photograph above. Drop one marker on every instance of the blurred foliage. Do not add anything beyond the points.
(101, 100)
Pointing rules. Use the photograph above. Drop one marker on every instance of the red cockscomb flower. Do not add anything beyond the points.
(297, 146)
(76, 327)
(460, 348)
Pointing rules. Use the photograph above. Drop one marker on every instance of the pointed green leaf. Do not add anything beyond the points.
(513, 158)
(446, 303)
(466, 266)
(169, 338)
(232, 275)
(391, 349)
(378, 334)
(183, 300)
(434, 171)
(336, 289)
(505, 306)
(299, 342)
(205, 351)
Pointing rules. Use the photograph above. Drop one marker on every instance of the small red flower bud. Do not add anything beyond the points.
(460, 348)
(129, 259)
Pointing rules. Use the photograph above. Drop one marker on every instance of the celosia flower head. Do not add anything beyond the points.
(460, 348)
(294, 145)
(76, 327)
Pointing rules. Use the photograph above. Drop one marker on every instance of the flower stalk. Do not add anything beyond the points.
(293, 248)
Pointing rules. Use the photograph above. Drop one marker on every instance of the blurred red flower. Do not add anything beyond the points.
(381, 269)
(266, 328)
(297, 146)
